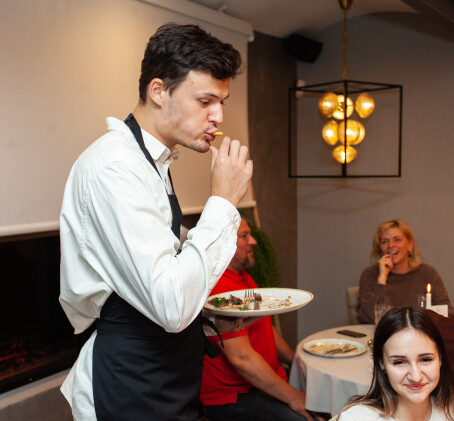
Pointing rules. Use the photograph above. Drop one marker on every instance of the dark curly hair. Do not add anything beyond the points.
(175, 49)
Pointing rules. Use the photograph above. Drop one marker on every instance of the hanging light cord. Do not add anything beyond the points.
(345, 5)
(344, 45)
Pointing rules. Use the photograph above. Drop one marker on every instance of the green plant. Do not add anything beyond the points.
(266, 270)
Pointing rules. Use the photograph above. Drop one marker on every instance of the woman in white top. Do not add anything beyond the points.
(412, 379)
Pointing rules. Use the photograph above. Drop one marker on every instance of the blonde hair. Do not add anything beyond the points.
(414, 258)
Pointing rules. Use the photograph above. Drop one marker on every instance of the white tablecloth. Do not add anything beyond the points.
(330, 382)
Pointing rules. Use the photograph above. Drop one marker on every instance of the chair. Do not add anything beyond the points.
(446, 327)
(352, 305)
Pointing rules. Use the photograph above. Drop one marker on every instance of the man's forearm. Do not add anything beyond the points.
(258, 373)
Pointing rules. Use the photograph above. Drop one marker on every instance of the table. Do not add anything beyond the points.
(330, 382)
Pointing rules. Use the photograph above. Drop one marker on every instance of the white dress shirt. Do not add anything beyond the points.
(365, 413)
(115, 229)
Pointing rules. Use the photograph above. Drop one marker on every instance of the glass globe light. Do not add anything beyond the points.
(339, 154)
(329, 132)
(328, 104)
(362, 133)
(353, 131)
(339, 113)
(364, 105)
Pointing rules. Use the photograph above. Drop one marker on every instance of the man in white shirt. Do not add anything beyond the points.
(120, 237)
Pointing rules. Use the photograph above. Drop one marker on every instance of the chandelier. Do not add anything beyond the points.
(345, 106)
(339, 107)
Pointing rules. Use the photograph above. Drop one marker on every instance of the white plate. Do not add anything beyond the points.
(272, 302)
(321, 348)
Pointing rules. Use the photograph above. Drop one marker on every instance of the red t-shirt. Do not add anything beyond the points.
(220, 382)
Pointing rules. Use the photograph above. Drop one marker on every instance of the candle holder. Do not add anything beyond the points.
(421, 301)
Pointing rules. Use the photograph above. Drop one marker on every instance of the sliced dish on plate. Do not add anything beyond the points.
(334, 348)
(274, 301)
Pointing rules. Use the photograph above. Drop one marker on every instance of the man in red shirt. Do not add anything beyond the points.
(246, 381)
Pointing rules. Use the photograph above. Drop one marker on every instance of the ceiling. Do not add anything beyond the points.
(306, 17)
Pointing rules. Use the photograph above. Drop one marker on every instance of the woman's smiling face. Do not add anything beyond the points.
(394, 243)
(412, 364)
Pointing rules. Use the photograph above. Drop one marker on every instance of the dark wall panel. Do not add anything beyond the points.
(271, 72)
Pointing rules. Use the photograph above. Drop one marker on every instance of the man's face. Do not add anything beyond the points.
(193, 111)
(244, 255)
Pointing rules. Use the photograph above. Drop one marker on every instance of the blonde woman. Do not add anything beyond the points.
(398, 273)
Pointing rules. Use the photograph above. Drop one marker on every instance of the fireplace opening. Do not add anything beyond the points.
(36, 338)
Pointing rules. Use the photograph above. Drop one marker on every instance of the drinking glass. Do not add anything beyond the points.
(381, 307)
(421, 301)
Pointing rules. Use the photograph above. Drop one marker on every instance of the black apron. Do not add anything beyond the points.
(140, 371)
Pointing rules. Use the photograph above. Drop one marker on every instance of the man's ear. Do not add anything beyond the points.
(155, 91)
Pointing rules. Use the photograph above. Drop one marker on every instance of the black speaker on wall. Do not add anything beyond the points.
(302, 48)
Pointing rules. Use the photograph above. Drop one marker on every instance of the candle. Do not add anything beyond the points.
(428, 297)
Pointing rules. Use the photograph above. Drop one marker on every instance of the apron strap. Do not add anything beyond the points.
(210, 350)
(177, 215)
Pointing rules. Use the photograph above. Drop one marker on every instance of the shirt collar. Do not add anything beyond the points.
(157, 150)
(233, 275)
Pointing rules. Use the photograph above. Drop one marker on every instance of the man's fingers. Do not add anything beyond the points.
(225, 146)
(231, 171)
(245, 322)
(243, 153)
(235, 147)
(249, 167)
(308, 416)
(214, 155)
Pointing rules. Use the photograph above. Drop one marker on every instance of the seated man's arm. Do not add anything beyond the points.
(284, 352)
(253, 368)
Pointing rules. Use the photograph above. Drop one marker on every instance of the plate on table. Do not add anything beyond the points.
(274, 301)
(334, 348)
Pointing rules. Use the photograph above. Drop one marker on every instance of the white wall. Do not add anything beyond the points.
(337, 218)
(65, 66)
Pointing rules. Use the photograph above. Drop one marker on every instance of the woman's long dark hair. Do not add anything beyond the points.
(381, 395)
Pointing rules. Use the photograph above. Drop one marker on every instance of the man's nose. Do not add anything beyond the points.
(252, 241)
(217, 115)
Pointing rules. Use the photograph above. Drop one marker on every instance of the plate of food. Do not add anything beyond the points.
(272, 301)
(334, 348)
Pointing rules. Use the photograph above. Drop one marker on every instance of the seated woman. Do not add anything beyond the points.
(398, 274)
(411, 380)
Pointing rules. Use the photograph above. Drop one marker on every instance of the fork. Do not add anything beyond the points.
(248, 297)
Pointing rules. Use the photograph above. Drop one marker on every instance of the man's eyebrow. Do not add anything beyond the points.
(215, 96)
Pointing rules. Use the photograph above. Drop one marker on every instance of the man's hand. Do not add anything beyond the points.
(297, 402)
(231, 171)
(231, 324)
